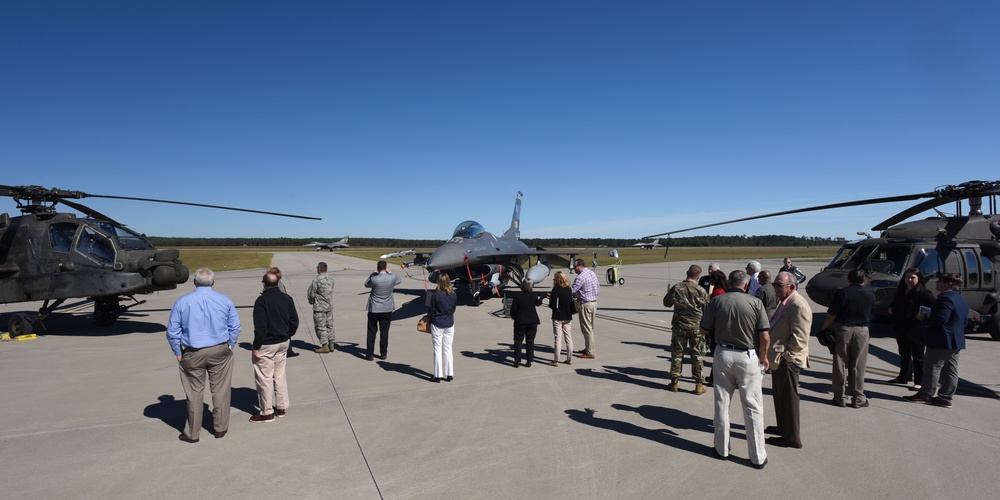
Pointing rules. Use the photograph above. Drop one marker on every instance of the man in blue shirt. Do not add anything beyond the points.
(202, 332)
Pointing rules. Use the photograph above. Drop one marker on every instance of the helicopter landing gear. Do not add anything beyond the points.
(20, 324)
(108, 309)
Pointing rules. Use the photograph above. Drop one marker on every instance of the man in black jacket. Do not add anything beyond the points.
(274, 323)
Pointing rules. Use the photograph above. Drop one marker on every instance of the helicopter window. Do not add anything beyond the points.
(929, 262)
(987, 271)
(841, 257)
(859, 257)
(893, 258)
(127, 239)
(95, 246)
(61, 236)
(468, 229)
(972, 267)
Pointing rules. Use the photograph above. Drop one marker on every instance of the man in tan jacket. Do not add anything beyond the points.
(787, 356)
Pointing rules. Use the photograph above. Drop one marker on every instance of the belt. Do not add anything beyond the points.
(185, 348)
(734, 347)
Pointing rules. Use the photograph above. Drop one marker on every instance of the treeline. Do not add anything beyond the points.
(767, 240)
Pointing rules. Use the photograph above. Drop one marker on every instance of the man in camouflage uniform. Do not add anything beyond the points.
(320, 295)
(688, 300)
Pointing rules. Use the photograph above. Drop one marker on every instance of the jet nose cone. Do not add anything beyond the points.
(447, 256)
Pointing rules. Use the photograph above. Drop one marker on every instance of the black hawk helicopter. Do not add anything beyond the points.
(477, 257)
(50, 256)
(966, 244)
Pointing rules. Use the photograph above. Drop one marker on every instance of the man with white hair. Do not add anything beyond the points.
(753, 269)
(202, 331)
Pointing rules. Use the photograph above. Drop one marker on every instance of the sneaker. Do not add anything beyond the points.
(257, 419)
(279, 412)
(940, 402)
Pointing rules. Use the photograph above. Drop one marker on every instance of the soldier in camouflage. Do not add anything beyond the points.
(320, 295)
(688, 300)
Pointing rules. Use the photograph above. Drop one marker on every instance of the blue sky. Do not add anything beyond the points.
(403, 118)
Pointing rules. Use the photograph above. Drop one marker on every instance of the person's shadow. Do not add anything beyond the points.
(173, 412)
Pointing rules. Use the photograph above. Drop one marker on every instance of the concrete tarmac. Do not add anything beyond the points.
(92, 412)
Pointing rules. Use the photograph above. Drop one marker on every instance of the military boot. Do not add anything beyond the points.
(699, 389)
(324, 350)
(673, 385)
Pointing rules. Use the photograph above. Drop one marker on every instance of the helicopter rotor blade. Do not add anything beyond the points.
(202, 205)
(90, 212)
(872, 201)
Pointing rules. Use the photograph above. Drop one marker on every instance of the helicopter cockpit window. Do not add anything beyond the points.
(929, 263)
(127, 239)
(96, 246)
(859, 257)
(891, 258)
(61, 236)
(841, 257)
(468, 229)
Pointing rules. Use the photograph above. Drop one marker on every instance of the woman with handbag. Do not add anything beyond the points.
(442, 315)
(561, 303)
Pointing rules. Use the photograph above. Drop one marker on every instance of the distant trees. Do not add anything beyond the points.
(767, 240)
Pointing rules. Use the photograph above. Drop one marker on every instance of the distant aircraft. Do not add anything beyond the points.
(329, 246)
(398, 254)
(648, 245)
(476, 257)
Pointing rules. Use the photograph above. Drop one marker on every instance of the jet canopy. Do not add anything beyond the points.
(468, 229)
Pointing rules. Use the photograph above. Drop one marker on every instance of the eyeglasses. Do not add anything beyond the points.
(780, 285)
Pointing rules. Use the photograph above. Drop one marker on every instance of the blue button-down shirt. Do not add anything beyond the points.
(202, 318)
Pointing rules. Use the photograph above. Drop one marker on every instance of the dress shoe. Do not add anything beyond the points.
(916, 398)
(773, 429)
(291, 354)
(436, 380)
(554, 363)
(940, 402)
(528, 364)
(220, 434)
(186, 439)
(856, 404)
(262, 419)
(517, 364)
(279, 412)
(914, 387)
(718, 455)
(782, 442)
(569, 361)
(838, 402)
(323, 350)
(587, 356)
(381, 356)
(369, 357)
(898, 380)
(760, 465)
(581, 351)
(699, 389)
(449, 378)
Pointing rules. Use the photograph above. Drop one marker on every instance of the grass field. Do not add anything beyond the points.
(233, 258)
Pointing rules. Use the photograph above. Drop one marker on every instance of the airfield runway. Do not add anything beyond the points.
(91, 412)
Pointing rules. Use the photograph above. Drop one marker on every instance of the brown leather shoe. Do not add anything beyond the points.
(587, 356)
(782, 442)
(186, 439)
(279, 412)
(220, 434)
(262, 419)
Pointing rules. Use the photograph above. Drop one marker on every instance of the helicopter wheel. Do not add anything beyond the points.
(19, 325)
(106, 311)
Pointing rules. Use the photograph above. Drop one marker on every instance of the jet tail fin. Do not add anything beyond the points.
(515, 222)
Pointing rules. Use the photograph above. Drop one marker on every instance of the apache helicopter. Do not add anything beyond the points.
(52, 257)
(965, 244)
(477, 257)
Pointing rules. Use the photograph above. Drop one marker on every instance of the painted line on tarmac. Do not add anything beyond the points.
(634, 323)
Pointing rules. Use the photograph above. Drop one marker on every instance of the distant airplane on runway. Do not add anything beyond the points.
(398, 254)
(648, 245)
(329, 246)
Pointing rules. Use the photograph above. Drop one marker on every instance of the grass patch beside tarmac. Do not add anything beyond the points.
(236, 258)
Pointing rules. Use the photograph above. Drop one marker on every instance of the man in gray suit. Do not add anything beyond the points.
(380, 307)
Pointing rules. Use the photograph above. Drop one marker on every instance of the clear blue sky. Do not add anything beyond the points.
(403, 118)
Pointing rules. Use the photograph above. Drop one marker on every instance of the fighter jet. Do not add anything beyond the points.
(398, 254)
(476, 257)
(329, 246)
(646, 245)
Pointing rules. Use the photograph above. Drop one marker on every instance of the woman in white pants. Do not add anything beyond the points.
(442, 313)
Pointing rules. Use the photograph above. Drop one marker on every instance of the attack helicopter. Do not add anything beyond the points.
(967, 244)
(50, 256)
(477, 257)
